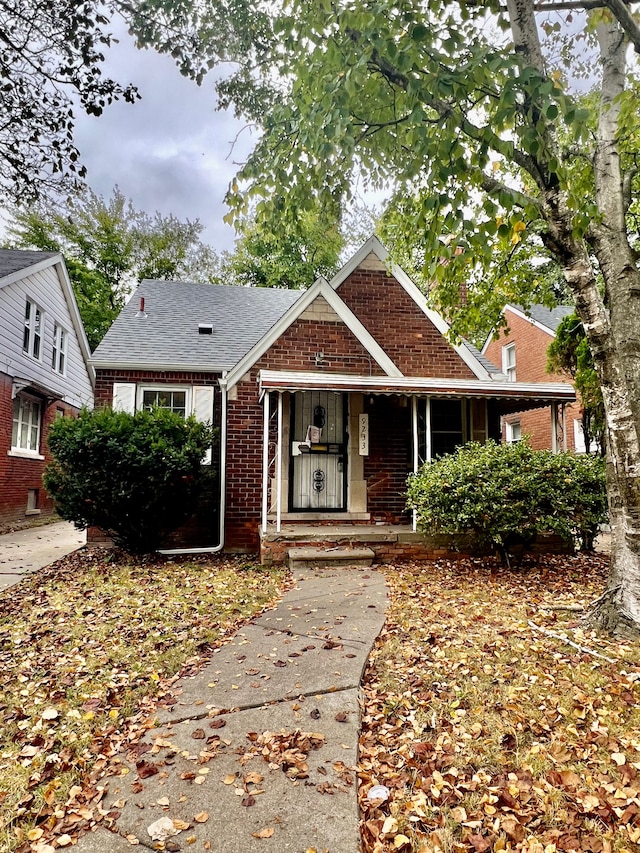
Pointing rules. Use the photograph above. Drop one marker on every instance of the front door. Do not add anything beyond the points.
(318, 452)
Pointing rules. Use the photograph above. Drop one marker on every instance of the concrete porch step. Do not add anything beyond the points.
(324, 558)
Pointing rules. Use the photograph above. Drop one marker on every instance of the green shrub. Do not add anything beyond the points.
(134, 476)
(506, 494)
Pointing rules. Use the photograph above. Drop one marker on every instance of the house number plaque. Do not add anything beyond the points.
(363, 435)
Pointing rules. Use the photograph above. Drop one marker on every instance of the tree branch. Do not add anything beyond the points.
(622, 13)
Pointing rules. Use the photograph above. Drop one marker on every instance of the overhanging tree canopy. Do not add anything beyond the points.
(467, 108)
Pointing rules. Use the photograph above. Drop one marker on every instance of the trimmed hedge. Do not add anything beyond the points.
(137, 477)
(507, 494)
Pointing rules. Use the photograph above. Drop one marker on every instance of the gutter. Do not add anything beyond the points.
(214, 549)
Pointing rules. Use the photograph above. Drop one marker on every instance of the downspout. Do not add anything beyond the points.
(214, 549)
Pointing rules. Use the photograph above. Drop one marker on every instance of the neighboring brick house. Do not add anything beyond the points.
(326, 399)
(44, 373)
(521, 352)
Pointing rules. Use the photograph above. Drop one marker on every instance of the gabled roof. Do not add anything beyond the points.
(373, 246)
(547, 319)
(167, 337)
(15, 262)
(320, 287)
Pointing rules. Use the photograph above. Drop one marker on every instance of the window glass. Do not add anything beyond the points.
(509, 362)
(59, 356)
(514, 432)
(25, 433)
(32, 335)
(162, 398)
(446, 426)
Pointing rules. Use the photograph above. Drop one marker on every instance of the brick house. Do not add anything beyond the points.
(326, 399)
(521, 352)
(44, 373)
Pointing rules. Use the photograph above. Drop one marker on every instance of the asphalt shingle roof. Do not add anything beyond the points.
(169, 335)
(549, 317)
(14, 260)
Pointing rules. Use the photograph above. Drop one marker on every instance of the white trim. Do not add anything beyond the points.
(32, 269)
(279, 468)
(373, 245)
(509, 369)
(24, 454)
(320, 287)
(301, 380)
(187, 390)
(76, 320)
(524, 316)
(414, 433)
(266, 403)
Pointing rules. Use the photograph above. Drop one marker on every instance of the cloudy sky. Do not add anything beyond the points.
(171, 151)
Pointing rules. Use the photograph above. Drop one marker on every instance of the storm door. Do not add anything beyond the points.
(318, 472)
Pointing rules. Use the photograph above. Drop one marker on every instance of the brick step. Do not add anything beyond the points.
(324, 558)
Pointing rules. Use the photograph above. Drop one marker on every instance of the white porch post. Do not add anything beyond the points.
(554, 427)
(563, 420)
(279, 469)
(414, 424)
(428, 430)
(265, 458)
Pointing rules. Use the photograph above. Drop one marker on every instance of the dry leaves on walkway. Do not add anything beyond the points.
(86, 647)
(489, 734)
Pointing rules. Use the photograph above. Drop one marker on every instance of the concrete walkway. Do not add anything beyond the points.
(26, 551)
(258, 752)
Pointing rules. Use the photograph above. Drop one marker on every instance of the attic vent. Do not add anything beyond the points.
(205, 329)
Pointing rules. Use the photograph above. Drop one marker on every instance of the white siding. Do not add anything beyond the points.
(45, 289)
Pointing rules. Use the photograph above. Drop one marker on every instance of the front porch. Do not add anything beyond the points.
(388, 542)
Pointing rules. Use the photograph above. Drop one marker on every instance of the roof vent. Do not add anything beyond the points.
(205, 328)
(141, 313)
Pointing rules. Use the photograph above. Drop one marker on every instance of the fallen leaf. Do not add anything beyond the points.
(201, 817)
(264, 833)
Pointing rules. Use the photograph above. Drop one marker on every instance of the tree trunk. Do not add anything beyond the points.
(614, 334)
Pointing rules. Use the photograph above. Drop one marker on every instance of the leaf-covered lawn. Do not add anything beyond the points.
(86, 647)
(490, 734)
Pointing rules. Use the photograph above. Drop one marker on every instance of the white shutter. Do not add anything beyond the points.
(203, 410)
(124, 397)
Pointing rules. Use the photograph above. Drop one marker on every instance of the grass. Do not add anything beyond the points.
(489, 734)
(86, 648)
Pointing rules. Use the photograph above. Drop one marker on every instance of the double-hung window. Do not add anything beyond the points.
(165, 398)
(509, 362)
(514, 432)
(59, 355)
(33, 325)
(27, 419)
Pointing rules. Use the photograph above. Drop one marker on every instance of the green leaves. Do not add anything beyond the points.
(506, 494)
(137, 477)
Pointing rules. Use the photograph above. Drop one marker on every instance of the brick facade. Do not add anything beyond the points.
(408, 337)
(319, 341)
(21, 475)
(531, 343)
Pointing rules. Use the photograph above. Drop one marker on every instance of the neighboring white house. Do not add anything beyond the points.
(44, 372)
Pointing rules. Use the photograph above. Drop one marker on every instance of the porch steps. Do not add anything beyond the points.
(325, 558)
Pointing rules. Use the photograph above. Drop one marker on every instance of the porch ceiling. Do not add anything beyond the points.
(536, 393)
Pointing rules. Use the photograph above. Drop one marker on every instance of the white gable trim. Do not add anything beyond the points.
(32, 269)
(83, 343)
(373, 245)
(524, 316)
(321, 287)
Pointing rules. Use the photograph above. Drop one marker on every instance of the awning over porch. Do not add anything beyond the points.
(528, 394)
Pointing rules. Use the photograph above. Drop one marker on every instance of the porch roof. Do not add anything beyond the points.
(536, 393)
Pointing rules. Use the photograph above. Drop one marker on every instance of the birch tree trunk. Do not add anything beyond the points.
(612, 324)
